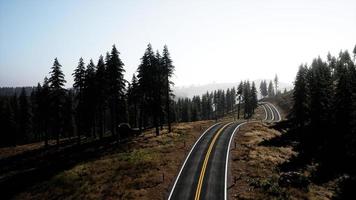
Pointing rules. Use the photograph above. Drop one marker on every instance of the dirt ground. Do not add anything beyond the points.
(254, 172)
(144, 169)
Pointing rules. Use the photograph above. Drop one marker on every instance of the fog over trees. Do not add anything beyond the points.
(101, 99)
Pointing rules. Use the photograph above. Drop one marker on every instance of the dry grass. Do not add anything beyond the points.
(254, 168)
(144, 168)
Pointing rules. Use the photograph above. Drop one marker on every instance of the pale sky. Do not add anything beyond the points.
(210, 41)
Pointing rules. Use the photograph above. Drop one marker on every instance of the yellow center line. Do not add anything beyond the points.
(202, 172)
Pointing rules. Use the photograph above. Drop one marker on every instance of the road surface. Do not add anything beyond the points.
(272, 113)
(204, 173)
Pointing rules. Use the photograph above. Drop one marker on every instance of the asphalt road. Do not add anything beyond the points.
(204, 172)
(272, 113)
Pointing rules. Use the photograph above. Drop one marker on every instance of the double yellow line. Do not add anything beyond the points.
(202, 172)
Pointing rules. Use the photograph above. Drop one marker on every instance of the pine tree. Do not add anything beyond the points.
(276, 83)
(79, 85)
(150, 84)
(90, 98)
(35, 120)
(133, 101)
(44, 107)
(254, 100)
(68, 113)
(270, 89)
(263, 88)
(56, 80)
(101, 94)
(24, 117)
(301, 96)
(116, 88)
(56, 84)
(320, 82)
(79, 76)
(168, 70)
(239, 94)
(343, 105)
(8, 116)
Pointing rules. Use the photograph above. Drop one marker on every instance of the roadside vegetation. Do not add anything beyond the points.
(143, 168)
(310, 154)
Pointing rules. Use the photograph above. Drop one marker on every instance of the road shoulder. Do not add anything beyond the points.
(254, 168)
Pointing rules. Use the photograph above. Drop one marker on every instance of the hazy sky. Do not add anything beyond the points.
(209, 41)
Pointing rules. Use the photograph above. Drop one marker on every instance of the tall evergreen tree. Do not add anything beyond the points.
(254, 99)
(133, 101)
(263, 88)
(101, 94)
(149, 79)
(301, 96)
(168, 70)
(44, 107)
(116, 88)
(90, 98)
(246, 94)
(56, 84)
(239, 94)
(270, 89)
(79, 85)
(24, 117)
(276, 83)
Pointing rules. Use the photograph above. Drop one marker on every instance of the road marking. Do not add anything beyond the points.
(279, 115)
(269, 107)
(202, 172)
(227, 157)
(264, 108)
(181, 169)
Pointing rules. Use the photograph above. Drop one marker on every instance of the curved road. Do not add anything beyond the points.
(272, 113)
(203, 174)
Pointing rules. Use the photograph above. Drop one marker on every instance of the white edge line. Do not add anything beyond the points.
(269, 107)
(227, 157)
(264, 108)
(181, 169)
(279, 115)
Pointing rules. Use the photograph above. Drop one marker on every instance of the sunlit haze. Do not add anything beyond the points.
(209, 41)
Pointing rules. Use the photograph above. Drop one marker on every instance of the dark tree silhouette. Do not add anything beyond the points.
(168, 70)
(116, 88)
(254, 99)
(101, 94)
(56, 84)
(271, 91)
(78, 85)
(24, 118)
(263, 88)
(301, 96)
(276, 83)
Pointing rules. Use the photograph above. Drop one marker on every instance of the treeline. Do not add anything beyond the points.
(10, 91)
(324, 114)
(99, 101)
(218, 103)
(271, 89)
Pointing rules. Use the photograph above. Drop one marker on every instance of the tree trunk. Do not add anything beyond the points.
(156, 125)
(168, 108)
(238, 108)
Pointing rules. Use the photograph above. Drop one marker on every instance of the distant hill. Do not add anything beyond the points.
(190, 91)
